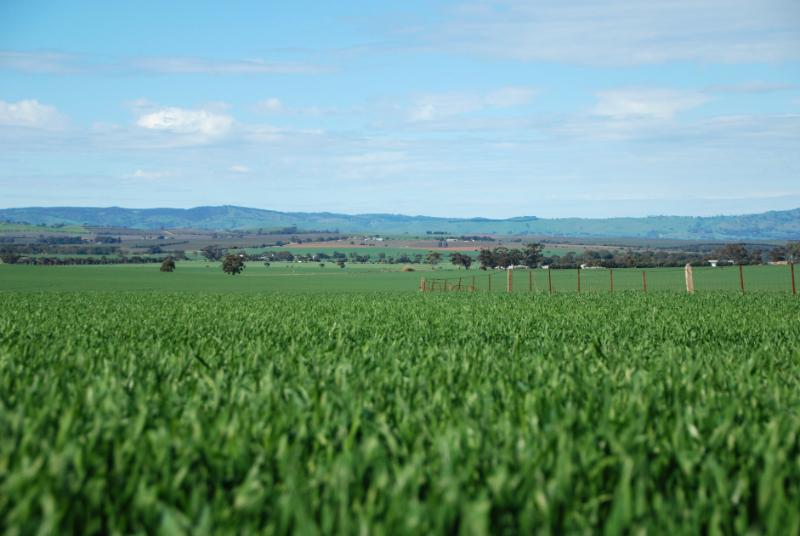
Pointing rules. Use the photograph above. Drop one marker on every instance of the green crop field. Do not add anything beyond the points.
(203, 276)
(6, 227)
(195, 276)
(201, 413)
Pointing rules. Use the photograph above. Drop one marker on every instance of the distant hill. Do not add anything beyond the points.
(774, 225)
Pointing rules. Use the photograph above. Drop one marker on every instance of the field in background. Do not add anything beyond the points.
(191, 241)
(200, 276)
(24, 228)
(396, 246)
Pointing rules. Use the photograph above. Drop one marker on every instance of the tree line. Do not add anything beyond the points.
(58, 249)
(85, 260)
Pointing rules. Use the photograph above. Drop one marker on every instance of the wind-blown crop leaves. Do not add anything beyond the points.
(125, 412)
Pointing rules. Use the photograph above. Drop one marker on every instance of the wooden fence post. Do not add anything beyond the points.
(509, 279)
(422, 284)
(530, 280)
(741, 278)
(687, 273)
(791, 270)
(579, 280)
(549, 281)
(611, 277)
(459, 284)
(644, 281)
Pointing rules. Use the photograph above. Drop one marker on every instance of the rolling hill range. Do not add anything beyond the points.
(774, 225)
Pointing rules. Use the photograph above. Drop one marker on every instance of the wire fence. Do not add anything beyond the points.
(777, 278)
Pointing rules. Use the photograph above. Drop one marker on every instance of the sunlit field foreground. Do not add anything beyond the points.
(404, 413)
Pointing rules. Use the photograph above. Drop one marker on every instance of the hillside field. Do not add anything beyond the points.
(774, 225)
(376, 412)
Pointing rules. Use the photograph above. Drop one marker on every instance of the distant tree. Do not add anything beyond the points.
(532, 256)
(433, 258)
(9, 257)
(793, 251)
(514, 257)
(168, 265)
(459, 259)
(501, 256)
(212, 252)
(486, 259)
(233, 264)
(266, 264)
(322, 265)
(759, 256)
(735, 252)
(341, 264)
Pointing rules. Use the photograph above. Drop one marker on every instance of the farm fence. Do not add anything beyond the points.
(757, 278)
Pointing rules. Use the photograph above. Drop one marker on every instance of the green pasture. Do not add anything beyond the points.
(200, 276)
(26, 228)
(756, 279)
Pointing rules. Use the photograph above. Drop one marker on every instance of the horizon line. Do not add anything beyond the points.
(522, 217)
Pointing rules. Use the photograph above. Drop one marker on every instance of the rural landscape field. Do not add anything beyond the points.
(190, 381)
(432, 267)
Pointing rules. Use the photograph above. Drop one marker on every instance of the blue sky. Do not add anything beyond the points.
(460, 108)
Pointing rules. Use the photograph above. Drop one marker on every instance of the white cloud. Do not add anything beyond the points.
(150, 175)
(201, 124)
(263, 134)
(37, 62)
(624, 32)
(375, 157)
(430, 107)
(271, 104)
(751, 87)
(274, 105)
(31, 113)
(141, 105)
(442, 105)
(509, 97)
(239, 168)
(190, 65)
(646, 103)
(374, 164)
